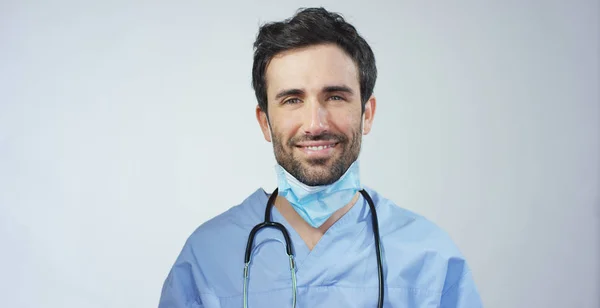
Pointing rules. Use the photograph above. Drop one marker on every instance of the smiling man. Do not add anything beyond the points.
(324, 240)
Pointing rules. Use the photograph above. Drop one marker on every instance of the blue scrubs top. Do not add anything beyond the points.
(422, 266)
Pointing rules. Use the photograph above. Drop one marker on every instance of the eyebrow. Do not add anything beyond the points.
(341, 88)
(289, 92)
(327, 89)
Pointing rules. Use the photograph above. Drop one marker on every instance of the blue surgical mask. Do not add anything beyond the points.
(315, 204)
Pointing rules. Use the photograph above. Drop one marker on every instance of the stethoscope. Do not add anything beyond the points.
(288, 246)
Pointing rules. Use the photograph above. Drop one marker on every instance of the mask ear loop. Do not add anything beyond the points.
(269, 126)
(362, 124)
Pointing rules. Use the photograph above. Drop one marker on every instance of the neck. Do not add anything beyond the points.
(310, 235)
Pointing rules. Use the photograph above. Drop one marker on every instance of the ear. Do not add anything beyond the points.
(369, 114)
(261, 117)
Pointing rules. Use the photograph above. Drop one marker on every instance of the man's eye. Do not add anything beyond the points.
(336, 98)
(291, 101)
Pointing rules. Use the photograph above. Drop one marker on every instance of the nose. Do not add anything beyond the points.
(316, 119)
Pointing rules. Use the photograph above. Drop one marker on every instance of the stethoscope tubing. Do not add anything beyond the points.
(268, 223)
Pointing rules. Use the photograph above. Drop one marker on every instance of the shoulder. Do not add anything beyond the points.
(397, 221)
(238, 219)
(214, 250)
(420, 243)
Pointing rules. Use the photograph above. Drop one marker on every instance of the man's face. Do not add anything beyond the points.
(315, 118)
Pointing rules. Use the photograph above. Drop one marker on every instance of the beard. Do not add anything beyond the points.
(318, 171)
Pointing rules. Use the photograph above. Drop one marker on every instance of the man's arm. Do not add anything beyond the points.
(462, 294)
(179, 289)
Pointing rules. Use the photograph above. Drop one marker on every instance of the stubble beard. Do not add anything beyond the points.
(328, 170)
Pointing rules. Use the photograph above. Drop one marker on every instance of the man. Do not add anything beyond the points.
(313, 76)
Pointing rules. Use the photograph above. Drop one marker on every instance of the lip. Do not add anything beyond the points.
(328, 148)
(315, 143)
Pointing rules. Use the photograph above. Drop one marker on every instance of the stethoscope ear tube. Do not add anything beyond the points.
(268, 224)
(270, 203)
(377, 246)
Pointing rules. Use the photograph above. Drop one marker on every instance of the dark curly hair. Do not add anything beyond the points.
(311, 26)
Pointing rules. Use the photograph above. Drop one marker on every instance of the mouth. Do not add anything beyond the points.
(320, 149)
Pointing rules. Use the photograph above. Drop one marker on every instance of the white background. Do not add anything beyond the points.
(124, 125)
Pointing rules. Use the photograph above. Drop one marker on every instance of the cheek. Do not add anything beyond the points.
(286, 125)
(283, 130)
(350, 122)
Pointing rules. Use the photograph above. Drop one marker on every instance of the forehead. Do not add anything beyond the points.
(311, 68)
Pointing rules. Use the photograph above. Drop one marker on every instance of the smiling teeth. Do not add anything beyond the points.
(319, 147)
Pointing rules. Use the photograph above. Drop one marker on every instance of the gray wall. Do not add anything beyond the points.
(124, 125)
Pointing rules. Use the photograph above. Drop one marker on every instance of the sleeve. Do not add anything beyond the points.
(179, 289)
(462, 294)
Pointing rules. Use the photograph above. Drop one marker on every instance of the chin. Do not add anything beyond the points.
(318, 176)
(319, 162)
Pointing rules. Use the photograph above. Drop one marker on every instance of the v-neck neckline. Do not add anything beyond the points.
(305, 258)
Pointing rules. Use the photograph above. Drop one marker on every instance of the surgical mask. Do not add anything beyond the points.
(315, 204)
